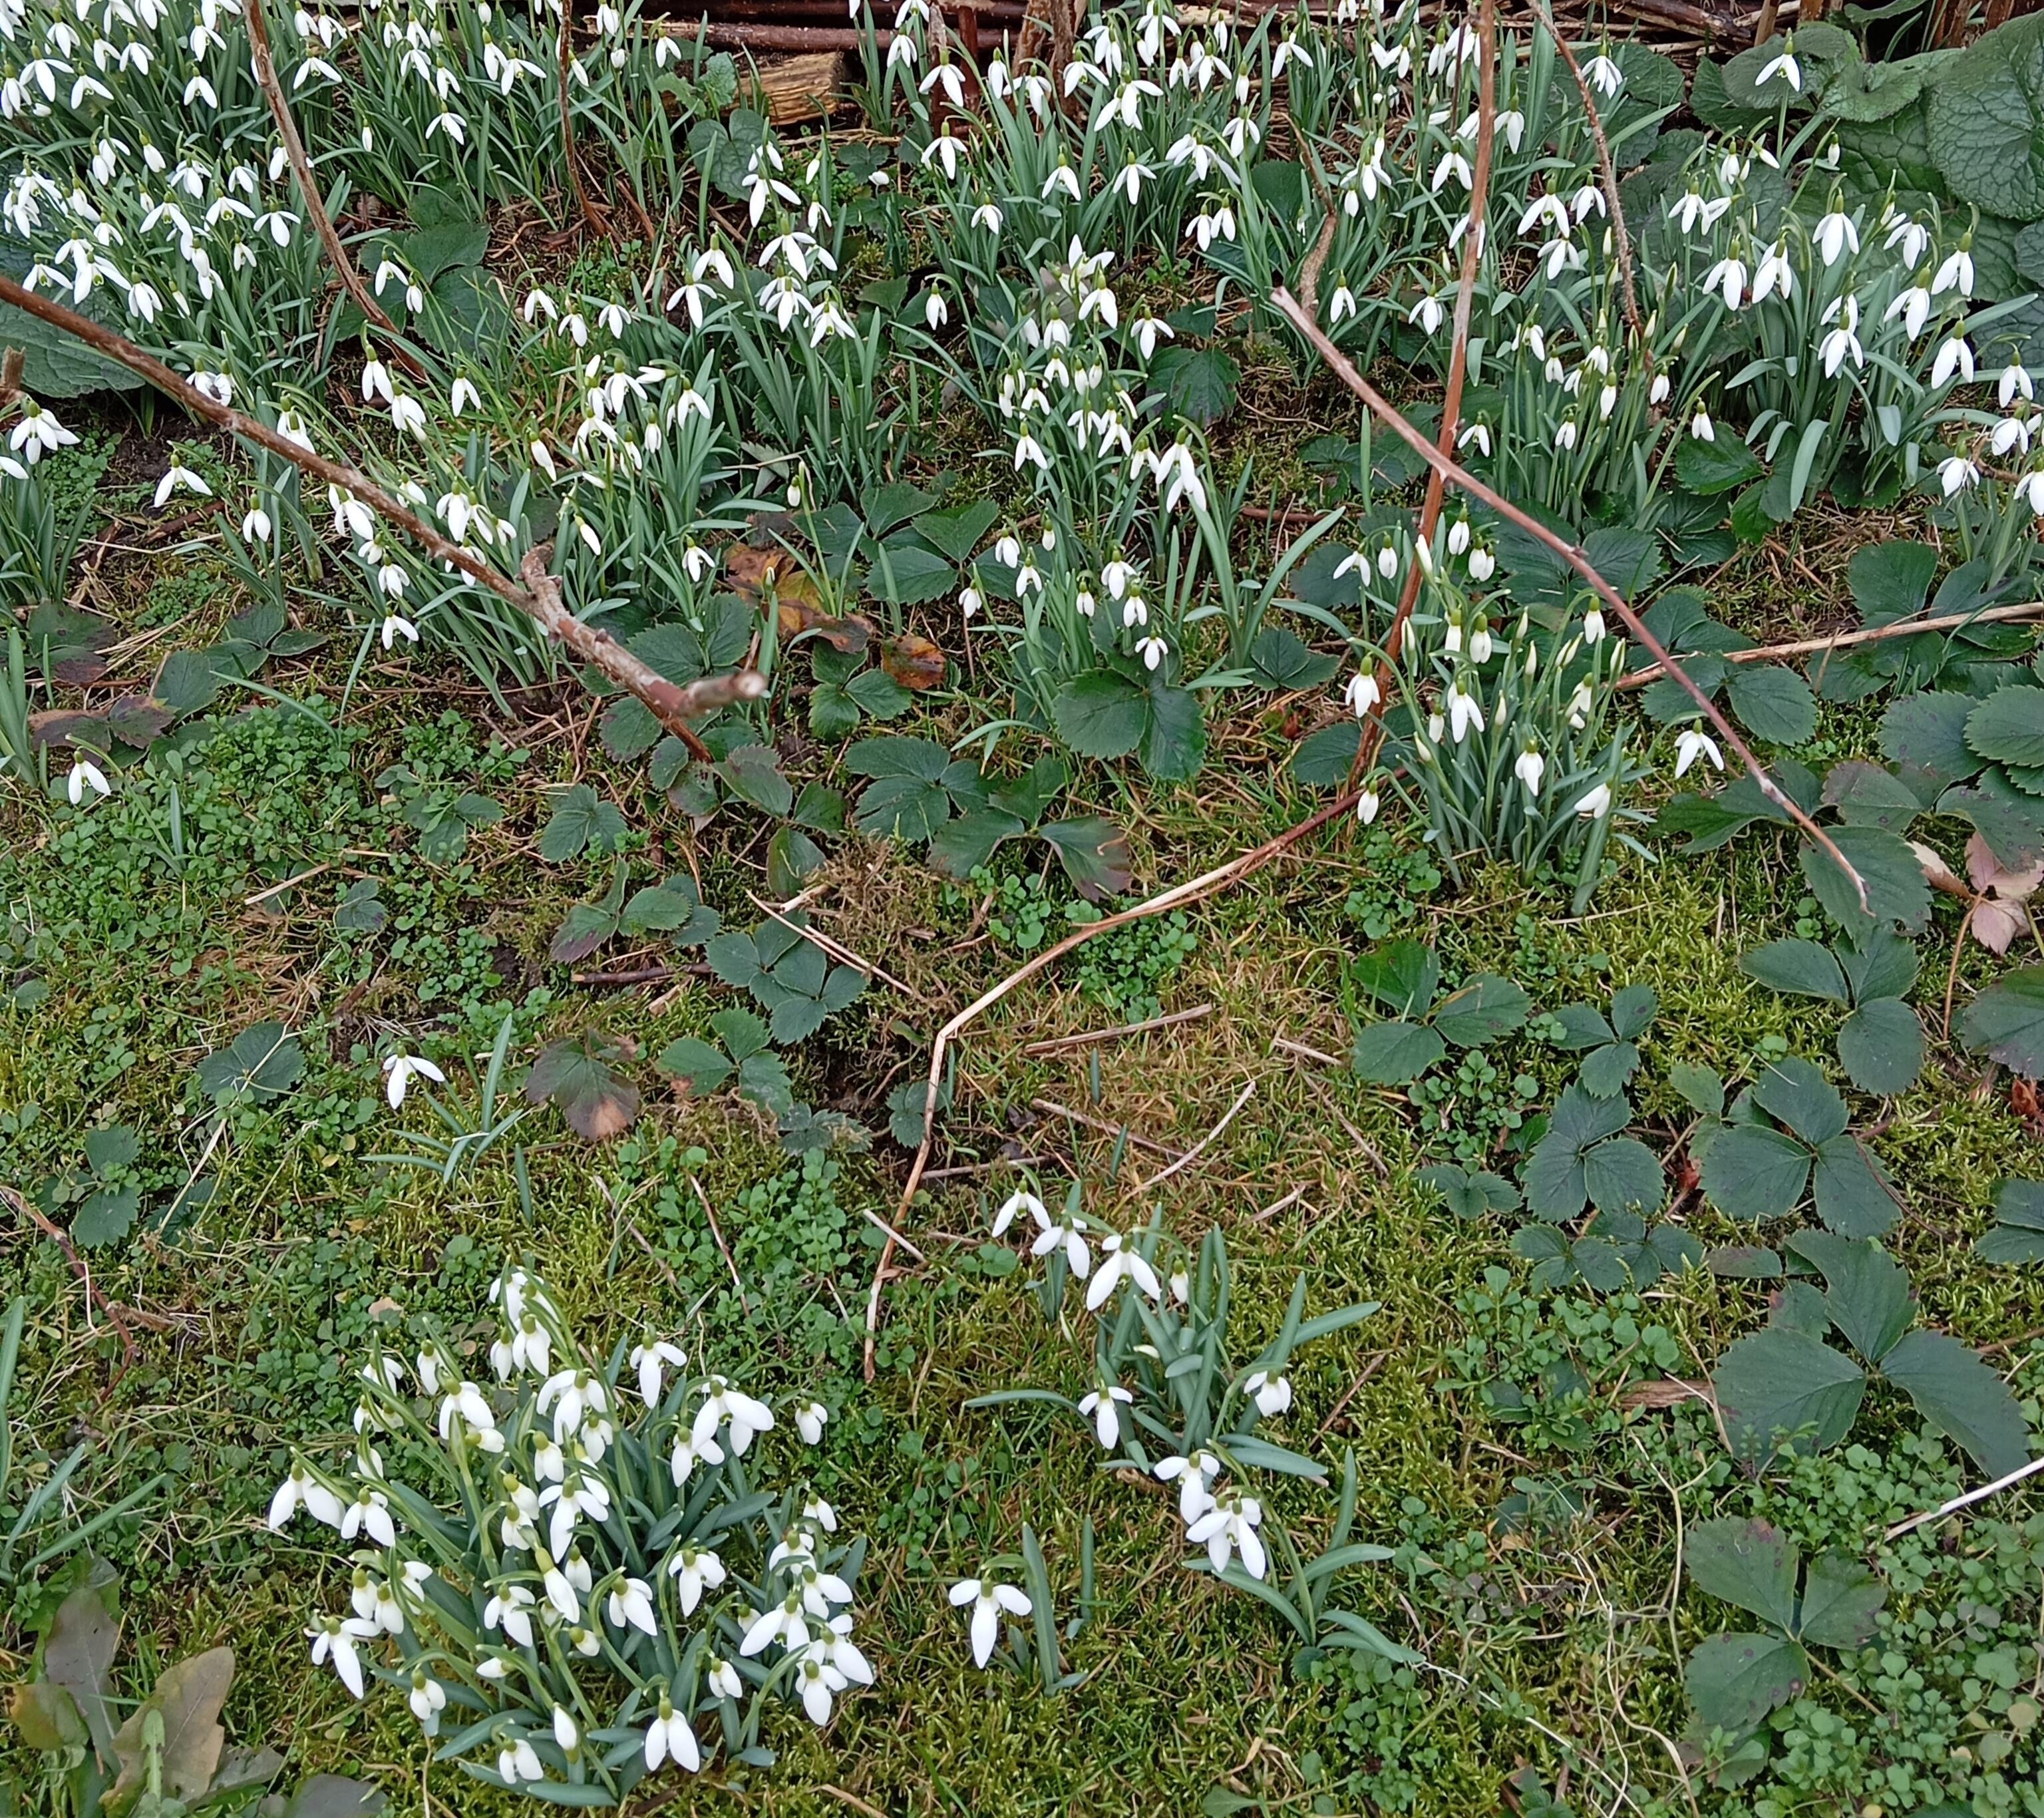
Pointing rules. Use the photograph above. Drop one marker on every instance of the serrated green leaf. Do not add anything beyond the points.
(1881, 1046)
(1395, 1053)
(1754, 1174)
(1776, 1383)
(1853, 1194)
(2008, 726)
(2006, 1022)
(1486, 1008)
(1841, 1599)
(1101, 715)
(1799, 967)
(1866, 1290)
(1734, 1680)
(1748, 1563)
(1774, 703)
(1957, 1393)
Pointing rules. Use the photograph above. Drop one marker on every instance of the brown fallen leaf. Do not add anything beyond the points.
(912, 661)
(1670, 1392)
(1939, 875)
(2000, 914)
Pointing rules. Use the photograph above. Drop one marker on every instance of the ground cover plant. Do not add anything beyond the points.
(1154, 932)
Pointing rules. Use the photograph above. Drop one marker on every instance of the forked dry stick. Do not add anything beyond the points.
(1865, 634)
(350, 277)
(1372, 735)
(1607, 174)
(539, 598)
(1452, 472)
(1179, 895)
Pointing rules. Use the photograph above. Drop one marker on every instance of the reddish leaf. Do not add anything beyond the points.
(912, 661)
(575, 1073)
(83, 731)
(138, 719)
(2000, 915)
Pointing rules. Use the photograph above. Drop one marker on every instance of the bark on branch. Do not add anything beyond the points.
(539, 598)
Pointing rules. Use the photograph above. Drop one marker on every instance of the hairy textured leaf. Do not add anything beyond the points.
(1484, 1009)
(1987, 121)
(1957, 1393)
(1734, 1680)
(1777, 1383)
(2006, 1022)
(1881, 1046)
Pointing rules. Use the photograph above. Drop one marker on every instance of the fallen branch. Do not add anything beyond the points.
(1866, 634)
(350, 277)
(1205, 884)
(564, 61)
(1372, 737)
(1967, 1501)
(1450, 470)
(538, 599)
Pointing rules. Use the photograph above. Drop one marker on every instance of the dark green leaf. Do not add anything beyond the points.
(106, 1216)
(1891, 581)
(1883, 965)
(629, 729)
(1777, 1382)
(2008, 726)
(1282, 660)
(1775, 703)
(1174, 744)
(1719, 466)
(1753, 1173)
(1800, 968)
(1701, 1087)
(1325, 758)
(1748, 1563)
(262, 1062)
(1853, 1193)
(957, 530)
(1633, 1009)
(1621, 1173)
(703, 1067)
(1881, 1046)
(1094, 853)
(1101, 716)
(960, 847)
(1866, 795)
(1840, 1601)
(1794, 1093)
(580, 819)
(1956, 1392)
(1896, 889)
(77, 1655)
(575, 1073)
(2006, 1022)
(1200, 383)
(1734, 1680)
(1926, 734)
(1986, 117)
(1867, 1290)
(1484, 1009)
(1402, 975)
(753, 773)
(1393, 1054)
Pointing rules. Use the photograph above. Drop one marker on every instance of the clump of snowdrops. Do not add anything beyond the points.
(1167, 1395)
(1514, 748)
(584, 1560)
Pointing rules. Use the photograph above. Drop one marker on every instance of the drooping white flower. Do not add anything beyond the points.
(1530, 766)
(334, 1638)
(1228, 1527)
(1272, 1394)
(85, 775)
(987, 1599)
(300, 1489)
(670, 1737)
(694, 1570)
(1692, 744)
(1120, 1260)
(650, 1357)
(400, 1070)
(1597, 805)
(1105, 1404)
(810, 1417)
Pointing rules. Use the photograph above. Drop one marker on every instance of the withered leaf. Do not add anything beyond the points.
(912, 661)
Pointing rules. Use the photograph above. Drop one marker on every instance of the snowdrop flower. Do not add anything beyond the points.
(334, 1639)
(670, 1737)
(2031, 487)
(2011, 433)
(1153, 650)
(1227, 1527)
(1954, 356)
(1774, 273)
(1192, 1475)
(86, 775)
(1119, 1259)
(1105, 1405)
(508, 1610)
(519, 1760)
(179, 476)
(1728, 275)
(1955, 273)
(428, 1699)
(1272, 1394)
(369, 1512)
(818, 1681)
(782, 1624)
(1701, 427)
(1593, 626)
(1785, 65)
(1342, 305)
(694, 1570)
(747, 1416)
(1913, 305)
(2014, 383)
(724, 1681)
(1363, 693)
(1463, 711)
(1607, 79)
(687, 1454)
(1842, 342)
(1146, 331)
(1836, 236)
(399, 1070)
(1911, 238)
(1366, 806)
(809, 1420)
(302, 1490)
(1956, 474)
(1692, 744)
(1597, 805)
(1018, 1202)
(649, 1358)
(1482, 562)
(1530, 767)
(630, 1604)
(987, 1601)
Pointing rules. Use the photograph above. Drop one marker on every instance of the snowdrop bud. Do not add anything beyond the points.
(1366, 806)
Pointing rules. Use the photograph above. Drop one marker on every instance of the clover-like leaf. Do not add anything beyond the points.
(578, 1074)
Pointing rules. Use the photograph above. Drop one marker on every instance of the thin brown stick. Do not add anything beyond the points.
(1372, 737)
(1205, 884)
(564, 60)
(1866, 634)
(1607, 171)
(1050, 1107)
(344, 267)
(1453, 471)
(832, 949)
(540, 599)
(23, 1204)
(1200, 1148)
(1057, 1043)
(723, 1248)
(1371, 1365)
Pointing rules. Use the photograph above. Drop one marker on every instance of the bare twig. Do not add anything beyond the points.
(294, 151)
(1451, 470)
(1286, 1045)
(723, 1249)
(1278, 1205)
(1866, 634)
(1200, 1147)
(1057, 1044)
(1966, 1501)
(564, 60)
(539, 598)
(1194, 890)
(1608, 172)
(832, 949)
(1451, 398)
(1371, 1365)
(1050, 1107)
